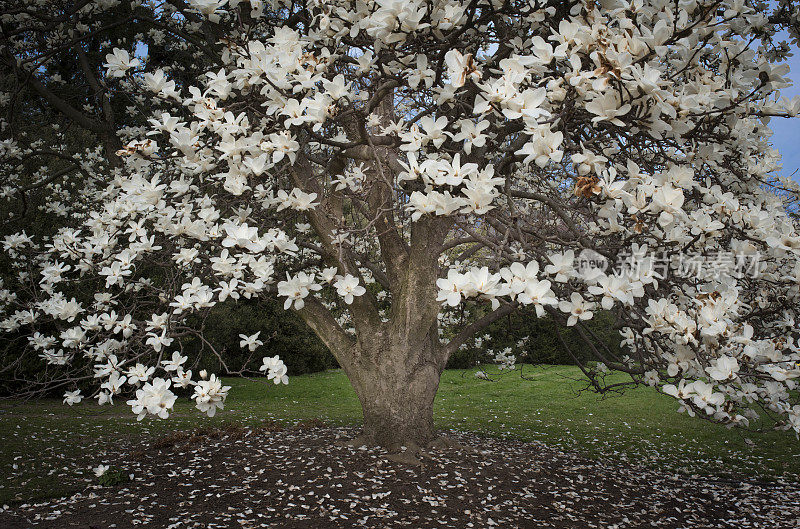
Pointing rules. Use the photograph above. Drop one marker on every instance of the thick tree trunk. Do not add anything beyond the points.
(394, 364)
(396, 387)
(398, 408)
(394, 370)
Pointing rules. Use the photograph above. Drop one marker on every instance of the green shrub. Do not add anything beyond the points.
(283, 333)
(542, 345)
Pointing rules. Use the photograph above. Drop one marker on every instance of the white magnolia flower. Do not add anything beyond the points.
(251, 342)
(243, 236)
(328, 274)
(460, 68)
(725, 368)
(210, 395)
(209, 8)
(451, 288)
(296, 288)
(705, 397)
(347, 287)
(118, 62)
(651, 378)
(183, 378)
(561, 266)
(113, 385)
(681, 391)
(276, 369)
(140, 373)
(608, 107)
(175, 363)
(297, 200)
(578, 309)
(158, 341)
(72, 397)
(104, 397)
(154, 398)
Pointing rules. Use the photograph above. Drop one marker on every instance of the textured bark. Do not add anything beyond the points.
(395, 369)
(398, 410)
(394, 366)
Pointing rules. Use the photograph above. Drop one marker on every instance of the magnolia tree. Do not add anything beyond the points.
(380, 165)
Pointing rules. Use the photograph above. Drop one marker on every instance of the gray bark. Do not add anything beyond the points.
(397, 394)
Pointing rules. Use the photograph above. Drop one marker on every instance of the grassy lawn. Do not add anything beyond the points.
(45, 445)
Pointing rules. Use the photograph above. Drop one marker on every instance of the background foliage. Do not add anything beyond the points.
(283, 333)
(542, 345)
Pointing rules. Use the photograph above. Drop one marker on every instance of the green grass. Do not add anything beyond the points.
(52, 445)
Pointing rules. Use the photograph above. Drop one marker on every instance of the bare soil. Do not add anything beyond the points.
(306, 477)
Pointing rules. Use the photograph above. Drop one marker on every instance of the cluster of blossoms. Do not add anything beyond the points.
(450, 153)
(505, 359)
(275, 369)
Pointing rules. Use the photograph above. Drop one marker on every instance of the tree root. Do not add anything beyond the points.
(410, 453)
(355, 442)
(445, 443)
(406, 458)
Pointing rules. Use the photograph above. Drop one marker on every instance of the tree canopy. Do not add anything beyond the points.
(379, 165)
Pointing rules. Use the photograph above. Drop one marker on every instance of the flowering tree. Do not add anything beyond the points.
(377, 164)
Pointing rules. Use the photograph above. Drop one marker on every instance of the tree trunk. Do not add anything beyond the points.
(397, 394)
(398, 411)
(393, 364)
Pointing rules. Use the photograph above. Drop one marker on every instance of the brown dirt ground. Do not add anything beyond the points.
(303, 478)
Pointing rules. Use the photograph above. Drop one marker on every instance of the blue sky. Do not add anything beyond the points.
(786, 137)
